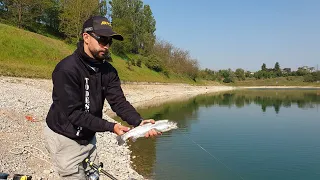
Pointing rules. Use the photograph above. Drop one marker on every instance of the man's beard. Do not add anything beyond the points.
(98, 57)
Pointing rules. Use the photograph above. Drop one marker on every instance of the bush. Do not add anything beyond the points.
(154, 63)
(289, 78)
(308, 78)
(129, 65)
(166, 73)
(228, 80)
(133, 62)
(313, 77)
(317, 75)
(139, 62)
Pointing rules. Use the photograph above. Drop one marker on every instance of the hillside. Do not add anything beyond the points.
(27, 54)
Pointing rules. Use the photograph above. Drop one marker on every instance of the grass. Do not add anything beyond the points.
(27, 54)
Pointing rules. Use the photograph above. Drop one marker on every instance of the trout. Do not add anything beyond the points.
(140, 131)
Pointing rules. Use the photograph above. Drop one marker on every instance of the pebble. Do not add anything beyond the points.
(46, 171)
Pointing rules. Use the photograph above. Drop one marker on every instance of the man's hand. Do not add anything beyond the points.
(119, 129)
(152, 132)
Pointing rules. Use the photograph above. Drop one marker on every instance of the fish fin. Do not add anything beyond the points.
(120, 140)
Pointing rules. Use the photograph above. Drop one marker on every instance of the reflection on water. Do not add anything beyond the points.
(188, 113)
(271, 98)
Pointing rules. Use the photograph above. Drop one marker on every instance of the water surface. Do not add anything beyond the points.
(249, 134)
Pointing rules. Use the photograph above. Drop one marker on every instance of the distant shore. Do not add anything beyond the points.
(145, 94)
(279, 87)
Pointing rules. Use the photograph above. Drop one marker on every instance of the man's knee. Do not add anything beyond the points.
(77, 173)
(65, 168)
(68, 155)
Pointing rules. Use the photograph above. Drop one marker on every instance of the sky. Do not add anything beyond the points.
(242, 33)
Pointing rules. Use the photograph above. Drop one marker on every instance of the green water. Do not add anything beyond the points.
(252, 134)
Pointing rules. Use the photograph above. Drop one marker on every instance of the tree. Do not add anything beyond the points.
(263, 67)
(312, 77)
(149, 28)
(277, 66)
(136, 23)
(207, 74)
(228, 75)
(240, 74)
(50, 18)
(277, 70)
(122, 23)
(24, 13)
(302, 71)
(136, 12)
(248, 74)
(261, 74)
(73, 14)
(4, 10)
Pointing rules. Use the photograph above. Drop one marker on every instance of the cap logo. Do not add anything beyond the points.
(88, 29)
(105, 23)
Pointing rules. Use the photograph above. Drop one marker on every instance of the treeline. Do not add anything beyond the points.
(276, 99)
(133, 19)
(309, 74)
(59, 18)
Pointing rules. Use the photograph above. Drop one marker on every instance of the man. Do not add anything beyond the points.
(81, 82)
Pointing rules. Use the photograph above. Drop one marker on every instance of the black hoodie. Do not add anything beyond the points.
(80, 86)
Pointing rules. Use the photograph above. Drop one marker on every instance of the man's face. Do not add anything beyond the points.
(98, 45)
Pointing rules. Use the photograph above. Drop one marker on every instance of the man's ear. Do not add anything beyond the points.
(85, 37)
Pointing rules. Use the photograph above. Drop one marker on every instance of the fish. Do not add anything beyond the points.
(140, 131)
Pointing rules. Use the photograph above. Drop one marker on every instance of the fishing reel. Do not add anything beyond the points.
(95, 174)
(97, 169)
(4, 176)
(21, 177)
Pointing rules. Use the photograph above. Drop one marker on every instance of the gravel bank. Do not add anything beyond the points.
(24, 104)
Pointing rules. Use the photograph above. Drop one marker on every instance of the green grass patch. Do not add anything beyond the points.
(27, 54)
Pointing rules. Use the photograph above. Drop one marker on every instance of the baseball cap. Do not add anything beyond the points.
(101, 26)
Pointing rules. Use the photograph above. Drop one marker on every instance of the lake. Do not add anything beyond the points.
(246, 134)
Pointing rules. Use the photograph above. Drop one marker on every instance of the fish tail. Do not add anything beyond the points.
(120, 140)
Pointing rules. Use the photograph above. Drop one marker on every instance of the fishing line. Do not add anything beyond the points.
(214, 157)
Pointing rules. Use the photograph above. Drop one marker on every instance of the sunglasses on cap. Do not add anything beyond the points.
(103, 40)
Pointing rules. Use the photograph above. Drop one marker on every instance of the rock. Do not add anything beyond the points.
(46, 171)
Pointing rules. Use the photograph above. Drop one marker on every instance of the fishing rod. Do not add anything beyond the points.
(218, 160)
(214, 157)
(99, 169)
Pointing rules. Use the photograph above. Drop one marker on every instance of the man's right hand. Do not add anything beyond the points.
(119, 129)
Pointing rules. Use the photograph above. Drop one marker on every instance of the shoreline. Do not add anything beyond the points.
(24, 147)
(279, 87)
(146, 95)
(24, 151)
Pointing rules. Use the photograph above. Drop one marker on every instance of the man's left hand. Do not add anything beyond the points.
(152, 132)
